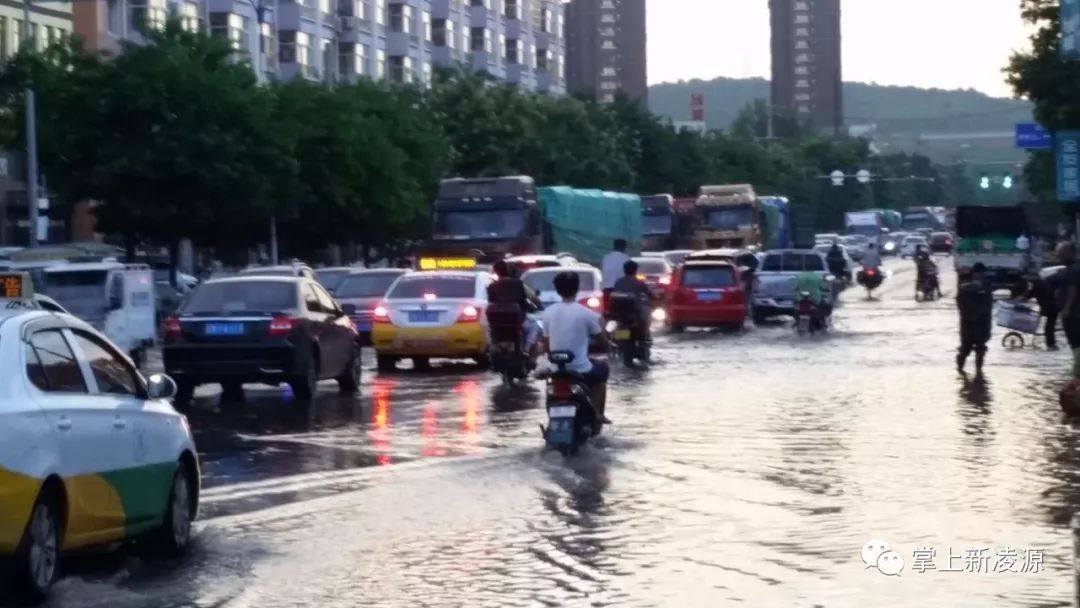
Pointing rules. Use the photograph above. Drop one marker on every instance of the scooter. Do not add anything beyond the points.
(870, 278)
(572, 418)
(508, 356)
(626, 328)
(808, 317)
(928, 286)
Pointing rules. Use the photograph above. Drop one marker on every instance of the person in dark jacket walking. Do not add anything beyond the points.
(975, 301)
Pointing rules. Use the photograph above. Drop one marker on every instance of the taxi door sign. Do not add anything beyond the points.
(447, 264)
(16, 286)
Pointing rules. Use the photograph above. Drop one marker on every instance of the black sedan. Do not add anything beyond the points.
(263, 329)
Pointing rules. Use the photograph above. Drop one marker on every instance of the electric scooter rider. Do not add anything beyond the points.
(509, 289)
(629, 283)
(837, 263)
(924, 266)
(568, 326)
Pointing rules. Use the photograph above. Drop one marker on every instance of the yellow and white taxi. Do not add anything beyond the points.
(432, 313)
(91, 453)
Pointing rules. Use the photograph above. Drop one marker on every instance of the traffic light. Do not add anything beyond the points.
(1007, 181)
(984, 183)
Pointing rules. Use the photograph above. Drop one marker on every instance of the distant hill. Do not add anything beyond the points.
(900, 113)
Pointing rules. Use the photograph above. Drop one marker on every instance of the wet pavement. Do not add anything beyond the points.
(746, 469)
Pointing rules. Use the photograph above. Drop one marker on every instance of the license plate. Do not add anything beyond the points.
(224, 329)
(622, 334)
(562, 411)
(423, 316)
(709, 297)
(424, 344)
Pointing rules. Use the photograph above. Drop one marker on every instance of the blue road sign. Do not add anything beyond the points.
(1067, 151)
(1031, 136)
(1070, 29)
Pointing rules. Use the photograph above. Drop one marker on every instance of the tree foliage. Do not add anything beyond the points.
(175, 139)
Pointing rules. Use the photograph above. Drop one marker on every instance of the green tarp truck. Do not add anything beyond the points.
(585, 223)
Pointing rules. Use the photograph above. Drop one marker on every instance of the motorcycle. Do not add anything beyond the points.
(871, 279)
(626, 328)
(572, 418)
(808, 315)
(928, 286)
(508, 356)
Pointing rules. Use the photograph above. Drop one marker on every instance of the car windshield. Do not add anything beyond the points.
(708, 276)
(793, 262)
(730, 218)
(241, 297)
(545, 281)
(433, 286)
(656, 224)
(464, 225)
(367, 285)
(331, 279)
(651, 266)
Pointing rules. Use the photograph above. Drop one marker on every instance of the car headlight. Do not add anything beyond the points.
(611, 326)
(659, 314)
(890, 246)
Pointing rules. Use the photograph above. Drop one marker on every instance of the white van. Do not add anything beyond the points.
(116, 299)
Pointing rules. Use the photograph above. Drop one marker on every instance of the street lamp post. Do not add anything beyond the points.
(31, 137)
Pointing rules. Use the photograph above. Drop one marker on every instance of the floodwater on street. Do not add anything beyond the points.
(747, 469)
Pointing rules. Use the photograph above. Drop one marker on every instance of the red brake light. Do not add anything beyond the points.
(470, 314)
(871, 272)
(561, 388)
(380, 314)
(282, 326)
(641, 277)
(172, 327)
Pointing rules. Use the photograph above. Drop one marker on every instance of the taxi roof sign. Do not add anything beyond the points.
(447, 264)
(16, 286)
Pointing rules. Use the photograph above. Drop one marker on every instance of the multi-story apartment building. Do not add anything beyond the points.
(806, 65)
(516, 41)
(605, 48)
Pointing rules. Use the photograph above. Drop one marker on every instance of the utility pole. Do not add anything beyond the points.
(31, 137)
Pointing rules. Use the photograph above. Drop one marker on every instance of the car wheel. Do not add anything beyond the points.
(385, 363)
(174, 535)
(185, 392)
(304, 387)
(349, 380)
(37, 558)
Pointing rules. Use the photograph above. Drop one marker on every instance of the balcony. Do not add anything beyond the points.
(353, 29)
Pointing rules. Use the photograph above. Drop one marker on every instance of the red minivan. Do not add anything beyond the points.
(706, 293)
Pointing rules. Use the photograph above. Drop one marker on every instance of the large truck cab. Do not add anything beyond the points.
(494, 216)
(729, 217)
(657, 222)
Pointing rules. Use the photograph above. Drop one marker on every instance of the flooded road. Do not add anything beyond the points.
(749, 469)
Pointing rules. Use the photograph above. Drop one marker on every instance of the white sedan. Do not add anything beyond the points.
(91, 453)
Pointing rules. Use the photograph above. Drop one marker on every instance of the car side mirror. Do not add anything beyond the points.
(349, 309)
(160, 386)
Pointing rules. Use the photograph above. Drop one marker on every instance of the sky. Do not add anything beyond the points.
(949, 44)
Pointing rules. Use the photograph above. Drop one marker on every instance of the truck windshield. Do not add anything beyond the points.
(81, 292)
(864, 230)
(464, 225)
(914, 221)
(728, 218)
(656, 224)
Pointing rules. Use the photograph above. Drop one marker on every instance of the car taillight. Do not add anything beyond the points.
(470, 314)
(282, 326)
(593, 303)
(665, 280)
(380, 315)
(641, 277)
(172, 327)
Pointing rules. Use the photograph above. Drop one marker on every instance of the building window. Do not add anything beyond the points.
(427, 74)
(801, 6)
(295, 47)
(502, 46)
(608, 71)
(401, 18)
(802, 32)
(607, 31)
(231, 27)
(802, 58)
(608, 98)
(804, 109)
(380, 12)
(542, 59)
(268, 47)
(802, 84)
(801, 45)
(512, 9)
(607, 18)
(189, 16)
(148, 14)
(802, 70)
(442, 32)
(354, 8)
(802, 97)
(401, 69)
(352, 60)
(801, 19)
(608, 85)
(608, 45)
(480, 40)
(380, 64)
(483, 3)
(513, 51)
(608, 4)
(545, 19)
(425, 20)
(16, 35)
